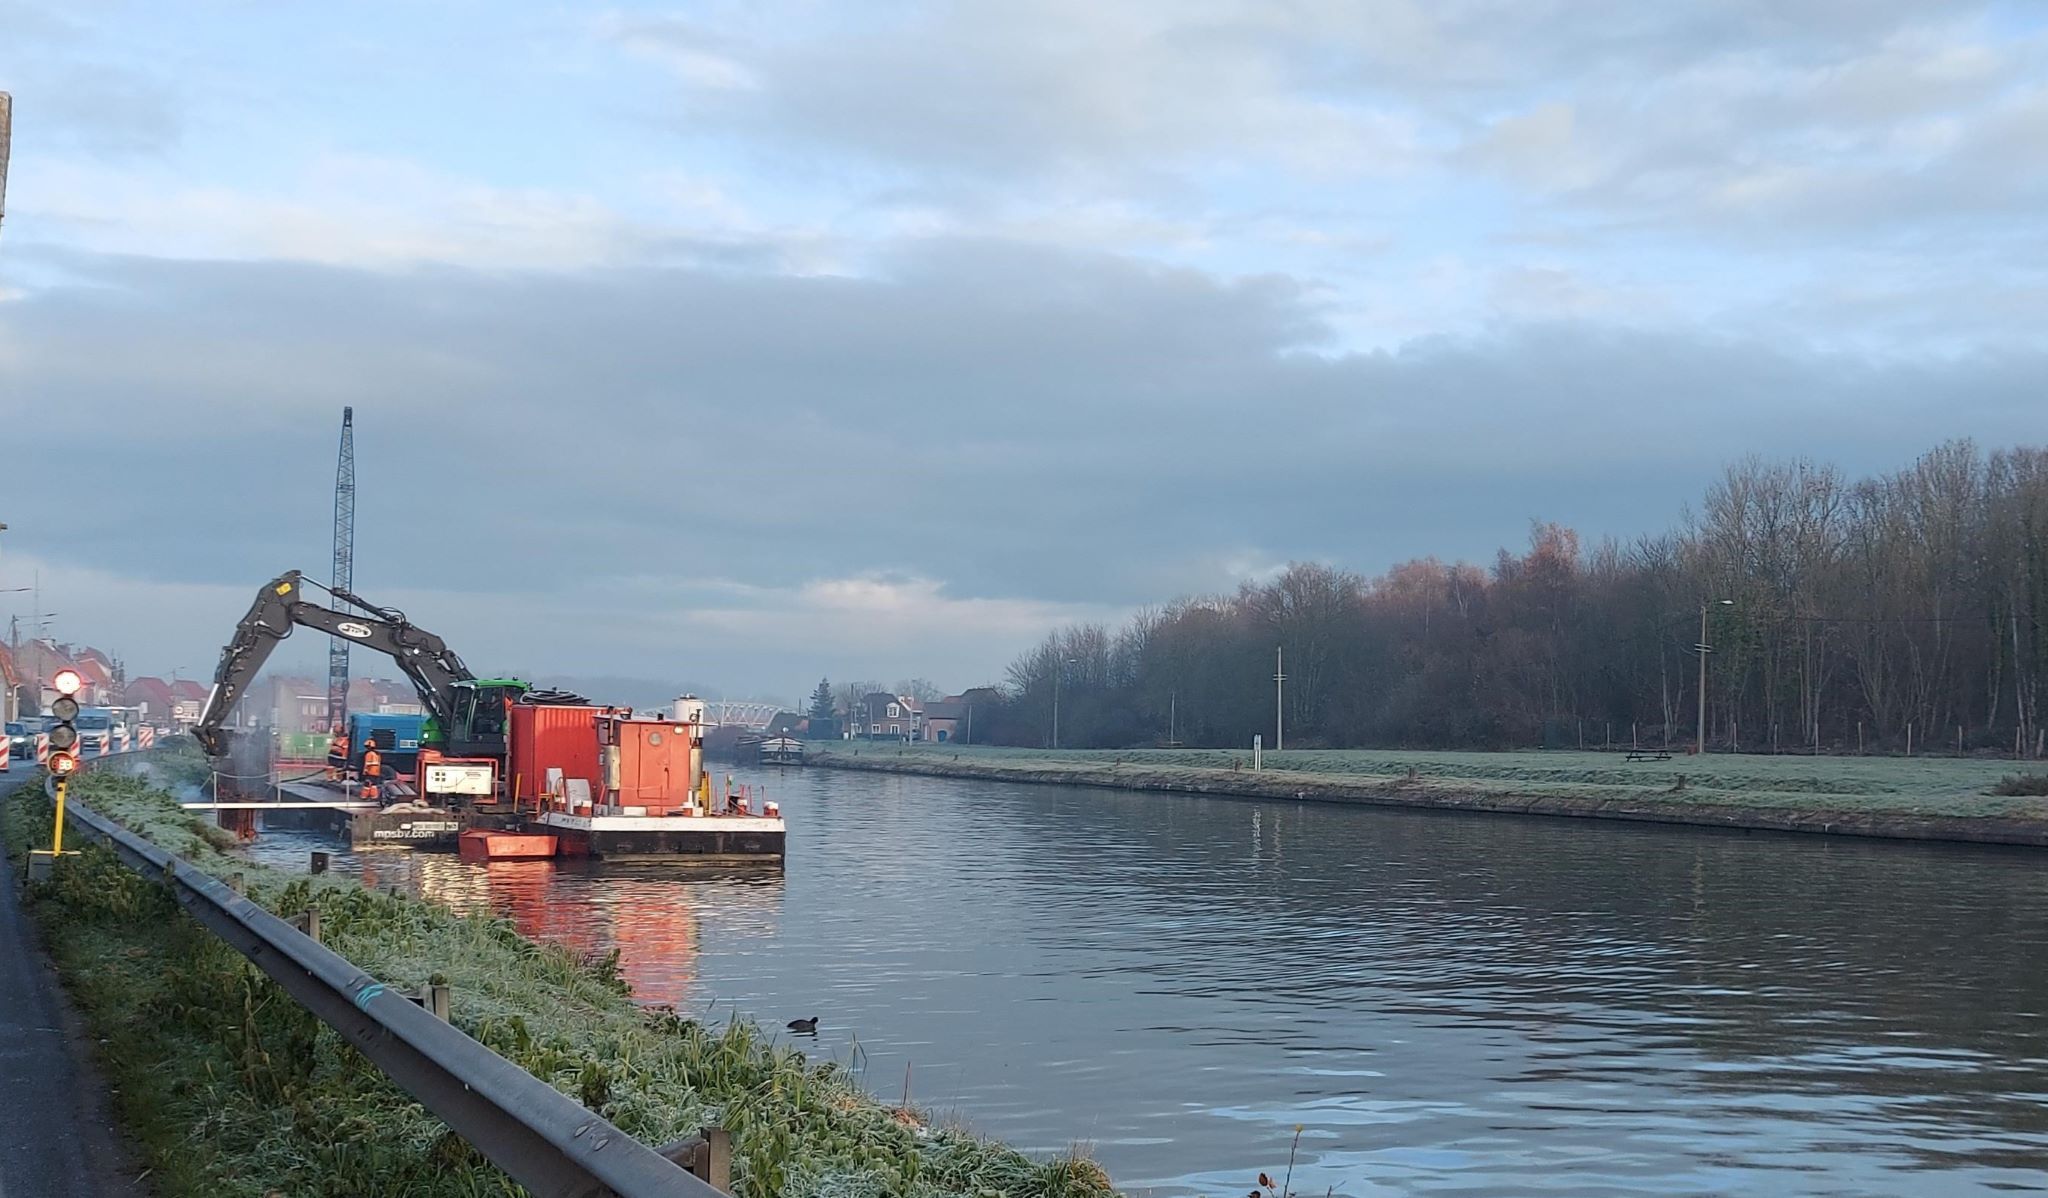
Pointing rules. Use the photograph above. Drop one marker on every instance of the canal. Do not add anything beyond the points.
(1443, 1003)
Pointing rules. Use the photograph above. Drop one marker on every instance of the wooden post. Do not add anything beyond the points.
(1633, 743)
(707, 1155)
(434, 997)
(1859, 738)
(1909, 738)
(1959, 740)
(238, 883)
(313, 923)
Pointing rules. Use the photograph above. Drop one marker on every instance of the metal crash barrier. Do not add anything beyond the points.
(543, 1139)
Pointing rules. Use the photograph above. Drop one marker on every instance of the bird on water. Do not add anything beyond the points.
(804, 1027)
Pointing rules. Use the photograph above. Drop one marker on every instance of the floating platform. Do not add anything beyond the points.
(707, 838)
(487, 844)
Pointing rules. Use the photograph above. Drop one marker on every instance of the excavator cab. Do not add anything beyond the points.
(478, 728)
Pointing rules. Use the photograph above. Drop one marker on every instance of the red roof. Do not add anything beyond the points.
(185, 688)
(150, 690)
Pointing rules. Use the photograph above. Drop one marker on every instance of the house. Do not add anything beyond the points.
(188, 699)
(39, 660)
(943, 719)
(951, 719)
(288, 703)
(787, 723)
(384, 697)
(152, 700)
(883, 716)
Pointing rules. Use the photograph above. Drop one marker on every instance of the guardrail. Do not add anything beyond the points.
(544, 1139)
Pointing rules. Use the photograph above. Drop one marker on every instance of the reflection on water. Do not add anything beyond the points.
(1445, 1003)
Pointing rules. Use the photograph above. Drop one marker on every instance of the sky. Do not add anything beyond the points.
(732, 345)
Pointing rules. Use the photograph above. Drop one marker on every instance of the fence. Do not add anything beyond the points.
(545, 1140)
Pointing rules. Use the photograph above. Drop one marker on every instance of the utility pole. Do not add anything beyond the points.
(1279, 698)
(1059, 667)
(1700, 745)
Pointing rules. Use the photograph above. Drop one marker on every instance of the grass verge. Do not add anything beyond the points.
(231, 1089)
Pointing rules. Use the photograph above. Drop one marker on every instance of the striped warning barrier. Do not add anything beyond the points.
(146, 738)
(42, 748)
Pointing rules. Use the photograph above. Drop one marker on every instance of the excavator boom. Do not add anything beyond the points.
(428, 662)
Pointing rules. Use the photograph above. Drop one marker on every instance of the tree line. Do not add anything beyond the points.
(1842, 614)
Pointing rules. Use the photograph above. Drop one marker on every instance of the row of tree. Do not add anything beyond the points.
(1842, 614)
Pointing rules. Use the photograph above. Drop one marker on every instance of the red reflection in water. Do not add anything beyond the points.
(651, 920)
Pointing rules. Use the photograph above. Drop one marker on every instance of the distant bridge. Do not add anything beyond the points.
(750, 714)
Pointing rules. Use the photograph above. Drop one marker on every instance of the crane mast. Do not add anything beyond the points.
(344, 565)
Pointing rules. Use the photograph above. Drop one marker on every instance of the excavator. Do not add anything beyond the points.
(466, 714)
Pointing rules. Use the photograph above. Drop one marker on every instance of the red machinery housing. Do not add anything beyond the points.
(632, 766)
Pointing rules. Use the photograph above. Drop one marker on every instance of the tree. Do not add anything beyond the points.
(921, 689)
(821, 700)
(1858, 608)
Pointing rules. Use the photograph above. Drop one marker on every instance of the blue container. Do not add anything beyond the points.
(397, 737)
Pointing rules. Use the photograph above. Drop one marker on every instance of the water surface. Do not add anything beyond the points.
(1445, 1003)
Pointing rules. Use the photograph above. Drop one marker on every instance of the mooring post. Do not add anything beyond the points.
(707, 1155)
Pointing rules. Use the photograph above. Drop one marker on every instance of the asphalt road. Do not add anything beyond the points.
(56, 1140)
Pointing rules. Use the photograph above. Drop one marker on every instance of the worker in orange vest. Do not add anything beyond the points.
(373, 769)
(337, 756)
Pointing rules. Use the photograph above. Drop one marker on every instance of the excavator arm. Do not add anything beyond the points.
(428, 662)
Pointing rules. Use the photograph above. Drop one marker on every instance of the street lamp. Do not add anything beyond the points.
(1058, 669)
(1700, 744)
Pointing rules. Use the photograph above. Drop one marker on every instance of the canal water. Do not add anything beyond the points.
(1442, 1003)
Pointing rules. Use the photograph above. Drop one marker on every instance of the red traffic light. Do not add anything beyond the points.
(62, 765)
(67, 682)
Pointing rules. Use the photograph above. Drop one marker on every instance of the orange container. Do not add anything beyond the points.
(657, 764)
(547, 737)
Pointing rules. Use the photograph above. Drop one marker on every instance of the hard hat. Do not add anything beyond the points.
(369, 744)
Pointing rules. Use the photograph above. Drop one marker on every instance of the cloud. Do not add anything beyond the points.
(812, 339)
(360, 211)
(931, 463)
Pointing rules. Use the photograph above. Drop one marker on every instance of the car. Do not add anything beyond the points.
(21, 742)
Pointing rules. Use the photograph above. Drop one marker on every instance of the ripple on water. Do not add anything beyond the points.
(1445, 1004)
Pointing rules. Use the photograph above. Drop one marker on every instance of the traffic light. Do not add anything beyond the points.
(62, 764)
(62, 733)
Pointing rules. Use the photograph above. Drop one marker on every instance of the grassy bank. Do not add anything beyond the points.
(1937, 798)
(232, 1089)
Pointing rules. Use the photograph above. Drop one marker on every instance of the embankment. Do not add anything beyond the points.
(232, 1089)
(1918, 800)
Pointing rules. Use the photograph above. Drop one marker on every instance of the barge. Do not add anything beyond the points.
(577, 781)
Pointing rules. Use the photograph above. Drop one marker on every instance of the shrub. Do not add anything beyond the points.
(2022, 784)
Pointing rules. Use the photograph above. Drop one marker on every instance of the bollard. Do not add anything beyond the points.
(307, 921)
(707, 1154)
